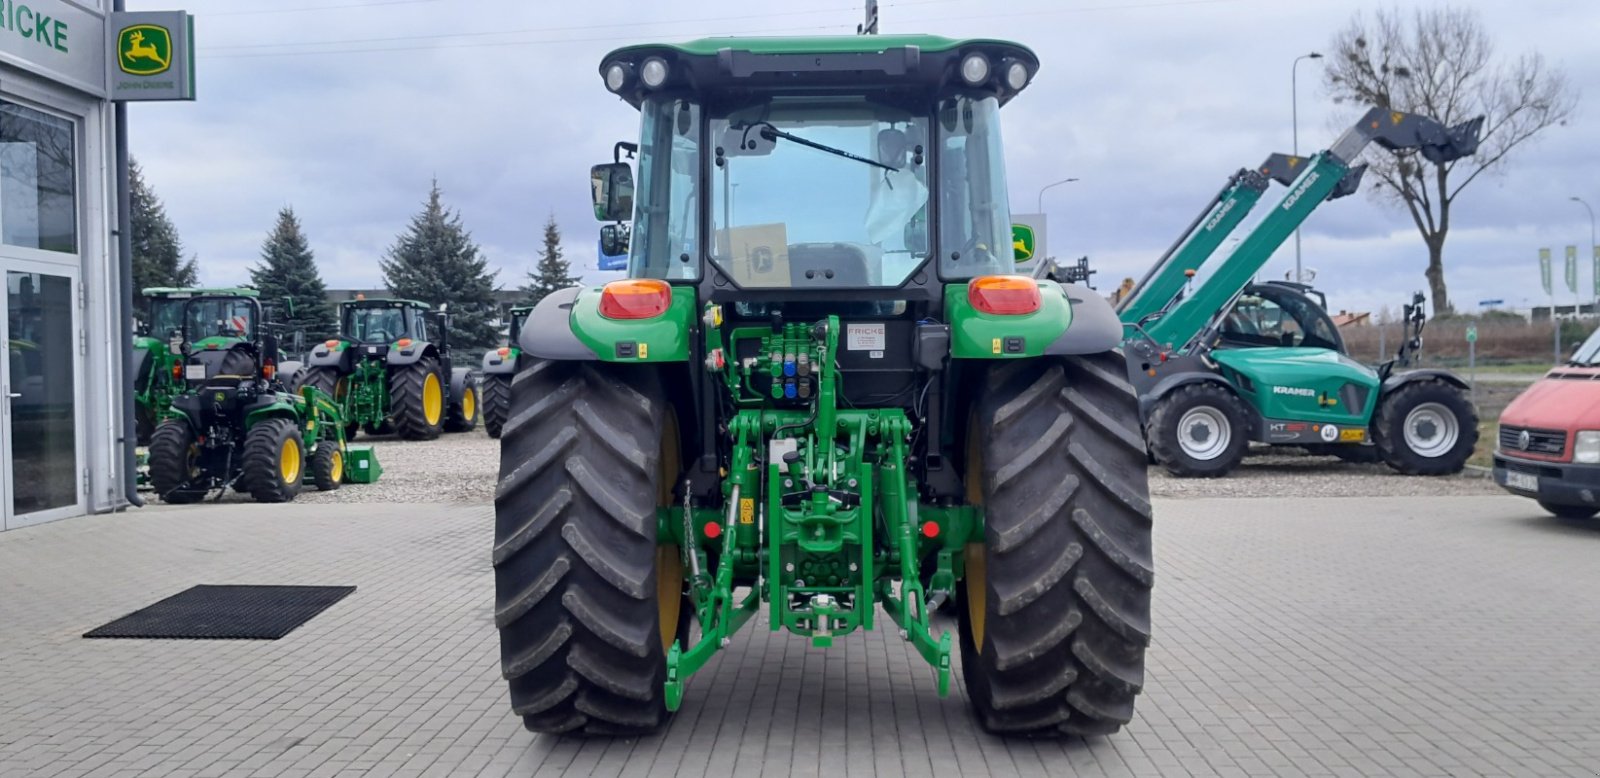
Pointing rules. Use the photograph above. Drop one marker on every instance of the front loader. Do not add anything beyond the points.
(391, 370)
(823, 401)
(234, 424)
(1219, 362)
(500, 366)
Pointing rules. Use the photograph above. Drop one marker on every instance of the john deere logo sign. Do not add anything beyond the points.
(1022, 242)
(144, 50)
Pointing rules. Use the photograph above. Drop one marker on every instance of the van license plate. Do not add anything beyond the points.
(1522, 481)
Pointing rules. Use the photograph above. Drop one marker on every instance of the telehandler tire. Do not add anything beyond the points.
(174, 462)
(274, 461)
(418, 396)
(1198, 431)
(496, 401)
(327, 466)
(585, 601)
(466, 409)
(1055, 612)
(1426, 427)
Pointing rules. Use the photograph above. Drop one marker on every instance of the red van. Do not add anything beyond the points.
(1550, 438)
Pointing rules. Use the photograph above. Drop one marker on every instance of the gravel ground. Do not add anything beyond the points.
(462, 468)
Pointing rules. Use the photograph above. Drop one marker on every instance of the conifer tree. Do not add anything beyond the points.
(288, 269)
(435, 261)
(553, 271)
(157, 251)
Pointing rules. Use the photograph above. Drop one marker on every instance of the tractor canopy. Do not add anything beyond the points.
(802, 167)
(167, 307)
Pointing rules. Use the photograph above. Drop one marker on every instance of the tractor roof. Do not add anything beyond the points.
(387, 301)
(220, 291)
(817, 63)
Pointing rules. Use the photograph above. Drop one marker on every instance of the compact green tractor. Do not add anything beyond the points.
(822, 395)
(234, 425)
(388, 375)
(499, 368)
(157, 350)
(1219, 361)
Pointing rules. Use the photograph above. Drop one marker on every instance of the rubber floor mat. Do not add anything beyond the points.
(226, 613)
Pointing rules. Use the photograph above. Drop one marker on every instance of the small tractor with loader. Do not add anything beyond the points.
(158, 348)
(822, 401)
(234, 424)
(499, 368)
(1220, 361)
(390, 370)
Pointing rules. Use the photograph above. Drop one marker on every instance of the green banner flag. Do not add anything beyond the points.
(1572, 269)
(1544, 269)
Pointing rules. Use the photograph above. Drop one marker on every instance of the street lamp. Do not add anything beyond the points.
(1040, 204)
(1294, 108)
(1592, 250)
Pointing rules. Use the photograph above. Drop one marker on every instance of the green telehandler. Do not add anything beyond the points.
(1221, 361)
(388, 375)
(499, 369)
(234, 424)
(822, 395)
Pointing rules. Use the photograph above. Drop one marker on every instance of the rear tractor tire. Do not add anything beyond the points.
(329, 381)
(1055, 611)
(174, 459)
(274, 461)
(585, 601)
(1426, 427)
(417, 400)
(1198, 431)
(496, 401)
(464, 410)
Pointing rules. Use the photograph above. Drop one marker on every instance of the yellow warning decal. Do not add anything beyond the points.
(747, 510)
(995, 347)
(644, 350)
(1396, 117)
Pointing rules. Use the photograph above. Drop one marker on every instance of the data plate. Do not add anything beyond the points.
(194, 372)
(1522, 481)
(864, 337)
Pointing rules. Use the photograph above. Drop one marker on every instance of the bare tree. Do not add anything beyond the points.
(1442, 64)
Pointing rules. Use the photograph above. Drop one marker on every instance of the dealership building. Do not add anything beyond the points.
(64, 68)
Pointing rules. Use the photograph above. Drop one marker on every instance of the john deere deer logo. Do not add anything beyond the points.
(144, 50)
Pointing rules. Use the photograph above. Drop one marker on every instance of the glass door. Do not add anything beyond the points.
(39, 387)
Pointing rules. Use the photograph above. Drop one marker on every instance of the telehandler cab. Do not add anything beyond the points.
(1222, 362)
(821, 391)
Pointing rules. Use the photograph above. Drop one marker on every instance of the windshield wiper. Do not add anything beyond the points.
(770, 132)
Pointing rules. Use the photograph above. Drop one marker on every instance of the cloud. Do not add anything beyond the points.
(1151, 104)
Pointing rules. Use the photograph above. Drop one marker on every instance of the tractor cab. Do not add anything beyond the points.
(378, 324)
(222, 343)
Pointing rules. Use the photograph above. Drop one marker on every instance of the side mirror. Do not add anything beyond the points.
(614, 246)
(612, 187)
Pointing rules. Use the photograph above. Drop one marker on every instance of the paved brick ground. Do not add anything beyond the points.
(1412, 636)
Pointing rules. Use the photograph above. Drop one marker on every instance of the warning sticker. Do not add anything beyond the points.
(864, 337)
(747, 510)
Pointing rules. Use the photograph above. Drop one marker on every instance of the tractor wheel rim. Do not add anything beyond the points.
(469, 404)
(432, 399)
(289, 461)
(1431, 430)
(337, 471)
(1204, 433)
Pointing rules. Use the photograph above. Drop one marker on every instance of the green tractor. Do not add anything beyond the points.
(822, 395)
(388, 375)
(157, 350)
(499, 367)
(234, 424)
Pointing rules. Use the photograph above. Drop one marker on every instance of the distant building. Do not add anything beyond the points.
(1345, 319)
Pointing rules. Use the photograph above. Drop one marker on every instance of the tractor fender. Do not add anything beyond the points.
(400, 357)
(271, 406)
(495, 364)
(1095, 327)
(187, 407)
(288, 370)
(548, 334)
(322, 356)
(1149, 397)
(1398, 380)
(460, 379)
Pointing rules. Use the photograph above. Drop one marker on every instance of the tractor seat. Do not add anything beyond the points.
(847, 264)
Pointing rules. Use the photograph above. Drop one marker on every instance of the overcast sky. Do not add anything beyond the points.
(345, 109)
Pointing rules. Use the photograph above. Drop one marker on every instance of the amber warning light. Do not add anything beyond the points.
(635, 298)
(1004, 295)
